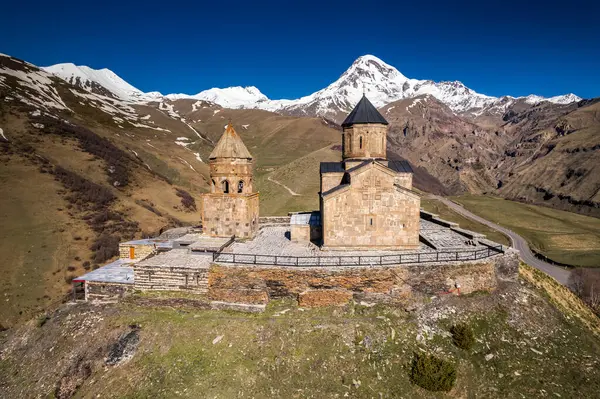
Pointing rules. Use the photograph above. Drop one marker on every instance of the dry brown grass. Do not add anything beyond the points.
(561, 296)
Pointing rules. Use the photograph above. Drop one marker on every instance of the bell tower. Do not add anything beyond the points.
(364, 134)
(231, 208)
(230, 165)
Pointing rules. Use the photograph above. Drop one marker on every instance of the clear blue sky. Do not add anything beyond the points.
(290, 49)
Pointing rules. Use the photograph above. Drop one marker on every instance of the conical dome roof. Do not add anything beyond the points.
(364, 112)
(230, 145)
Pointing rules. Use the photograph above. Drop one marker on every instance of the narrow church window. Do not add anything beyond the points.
(240, 186)
(371, 221)
(360, 142)
(225, 186)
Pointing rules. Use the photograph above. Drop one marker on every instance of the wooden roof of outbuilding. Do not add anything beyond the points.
(364, 112)
(230, 145)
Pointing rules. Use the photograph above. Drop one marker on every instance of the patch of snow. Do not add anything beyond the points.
(2, 134)
(197, 154)
(182, 138)
(38, 125)
(196, 106)
(150, 127)
(182, 143)
(85, 77)
(146, 117)
(37, 112)
(38, 82)
(245, 126)
(216, 111)
(187, 163)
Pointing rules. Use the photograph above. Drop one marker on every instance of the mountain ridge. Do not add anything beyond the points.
(368, 74)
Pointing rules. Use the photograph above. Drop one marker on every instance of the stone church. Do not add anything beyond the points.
(231, 207)
(366, 200)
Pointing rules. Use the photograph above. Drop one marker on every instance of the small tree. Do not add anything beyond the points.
(462, 336)
(432, 373)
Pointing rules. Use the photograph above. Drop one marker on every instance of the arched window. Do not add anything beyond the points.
(225, 184)
(214, 185)
(240, 186)
(360, 142)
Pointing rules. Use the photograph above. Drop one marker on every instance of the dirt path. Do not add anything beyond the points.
(292, 192)
(561, 274)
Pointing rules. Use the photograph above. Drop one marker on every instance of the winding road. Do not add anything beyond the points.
(559, 273)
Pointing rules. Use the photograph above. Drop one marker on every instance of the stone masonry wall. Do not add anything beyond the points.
(404, 180)
(371, 213)
(225, 215)
(330, 180)
(141, 251)
(105, 291)
(374, 141)
(331, 286)
(170, 279)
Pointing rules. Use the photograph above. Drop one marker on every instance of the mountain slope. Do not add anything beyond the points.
(61, 143)
(102, 81)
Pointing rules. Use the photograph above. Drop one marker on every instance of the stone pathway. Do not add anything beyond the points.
(292, 192)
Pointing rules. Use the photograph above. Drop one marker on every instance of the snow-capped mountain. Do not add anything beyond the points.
(381, 82)
(230, 97)
(99, 81)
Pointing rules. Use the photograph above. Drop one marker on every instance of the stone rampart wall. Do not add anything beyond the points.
(321, 286)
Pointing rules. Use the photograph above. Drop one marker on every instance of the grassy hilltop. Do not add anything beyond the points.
(531, 337)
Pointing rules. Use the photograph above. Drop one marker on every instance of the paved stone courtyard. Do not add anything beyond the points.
(274, 240)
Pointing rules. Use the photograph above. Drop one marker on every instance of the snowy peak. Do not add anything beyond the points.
(382, 83)
(99, 81)
(565, 99)
(230, 97)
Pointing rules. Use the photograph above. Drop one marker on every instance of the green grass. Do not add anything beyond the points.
(352, 351)
(437, 207)
(561, 236)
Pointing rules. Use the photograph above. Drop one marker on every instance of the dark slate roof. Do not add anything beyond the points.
(400, 166)
(334, 189)
(364, 112)
(332, 167)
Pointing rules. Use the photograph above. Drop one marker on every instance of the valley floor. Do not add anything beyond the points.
(532, 338)
(561, 236)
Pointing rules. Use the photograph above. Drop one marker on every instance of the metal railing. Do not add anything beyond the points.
(362, 260)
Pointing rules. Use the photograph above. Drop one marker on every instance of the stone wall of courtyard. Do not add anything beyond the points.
(322, 286)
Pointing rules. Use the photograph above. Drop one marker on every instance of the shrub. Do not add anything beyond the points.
(432, 373)
(462, 336)
(42, 320)
(86, 265)
(187, 200)
(585, 283)
(84, 192)
(71, 268)
(116, 160)
(105, 247)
